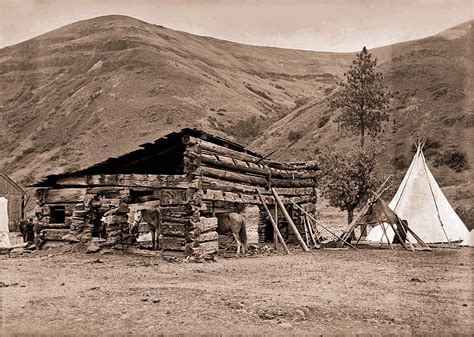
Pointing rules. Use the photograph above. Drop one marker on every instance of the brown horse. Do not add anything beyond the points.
(153, 220)
(235, 223)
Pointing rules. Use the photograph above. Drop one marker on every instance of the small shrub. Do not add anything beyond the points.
(293, 136)
(246, 129)
(454, 158)
(400, 162)
(323, 120)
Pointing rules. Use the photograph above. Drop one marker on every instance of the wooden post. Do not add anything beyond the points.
(306, 234)
(311, 231)
(289, 220)
(275, 232)
(275, 225)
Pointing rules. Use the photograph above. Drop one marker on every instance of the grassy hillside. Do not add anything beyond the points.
(98, 88)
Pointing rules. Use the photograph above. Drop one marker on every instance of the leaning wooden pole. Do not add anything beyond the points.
(290, 221)
(316, 221)
(275, 225)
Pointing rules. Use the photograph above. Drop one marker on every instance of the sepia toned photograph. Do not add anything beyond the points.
(236, 168)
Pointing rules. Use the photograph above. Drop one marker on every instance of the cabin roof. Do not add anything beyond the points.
(169, 141)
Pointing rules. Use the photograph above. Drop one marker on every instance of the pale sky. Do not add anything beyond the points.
(326, 25)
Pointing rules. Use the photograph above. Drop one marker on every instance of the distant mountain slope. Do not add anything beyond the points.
(100, 87)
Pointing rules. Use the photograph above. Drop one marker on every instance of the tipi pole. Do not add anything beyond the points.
(434, 199)
(369, 203)
(410, 169)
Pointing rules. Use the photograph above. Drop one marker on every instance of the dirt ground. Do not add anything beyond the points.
(371, 291)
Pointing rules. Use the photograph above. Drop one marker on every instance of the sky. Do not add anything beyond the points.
(325, 25)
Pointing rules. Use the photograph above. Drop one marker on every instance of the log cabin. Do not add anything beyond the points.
(189, 174)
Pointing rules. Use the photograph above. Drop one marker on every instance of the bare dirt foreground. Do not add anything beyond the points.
(322, 292)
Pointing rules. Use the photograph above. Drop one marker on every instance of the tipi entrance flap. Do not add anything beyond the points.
(4, 237)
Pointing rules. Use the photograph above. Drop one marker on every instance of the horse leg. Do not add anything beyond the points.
(158, 234)
(152, 231)
(237, 239)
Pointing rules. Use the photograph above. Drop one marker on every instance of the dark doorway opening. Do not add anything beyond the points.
(58, 214)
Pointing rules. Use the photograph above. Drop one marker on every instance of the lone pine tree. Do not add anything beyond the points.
(362, 98)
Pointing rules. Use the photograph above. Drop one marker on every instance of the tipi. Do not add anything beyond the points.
(468, 240)
(420, 201)
(4, 237)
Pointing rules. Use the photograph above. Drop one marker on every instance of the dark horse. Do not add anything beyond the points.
(153, 220)
(235, 223)
(26, 229)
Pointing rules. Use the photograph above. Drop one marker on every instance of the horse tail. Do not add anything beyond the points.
(243, 233)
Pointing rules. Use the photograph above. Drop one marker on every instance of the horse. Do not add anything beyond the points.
(235, 223)
(153, 220)
(26, 229)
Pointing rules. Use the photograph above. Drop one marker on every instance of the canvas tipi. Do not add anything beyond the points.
(4, 236)
(468, 240)
(420, 201)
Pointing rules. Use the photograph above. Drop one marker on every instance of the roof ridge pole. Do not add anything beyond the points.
(434, 199)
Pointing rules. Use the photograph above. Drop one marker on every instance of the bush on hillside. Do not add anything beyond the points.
(246, 129)
(323, 120)
(454, 158)
(400, 162)
(293, 136)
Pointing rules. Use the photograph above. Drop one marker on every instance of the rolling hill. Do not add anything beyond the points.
(100, 87)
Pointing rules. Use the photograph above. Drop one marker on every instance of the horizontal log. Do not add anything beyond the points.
(226, 186)
(174, 220)
(173, 197)
(209, 236)
(210, 247)
(207, 224)
(128, 180)
(173, 229)
(232, 197)
(171, 211)
(231, 176)
(217, 184)
(73, 181)
(295, 191)
(56, 226)
(172, 243)
(64, 195)
(54, 234)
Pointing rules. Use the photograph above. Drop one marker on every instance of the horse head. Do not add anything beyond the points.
(137, 218)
